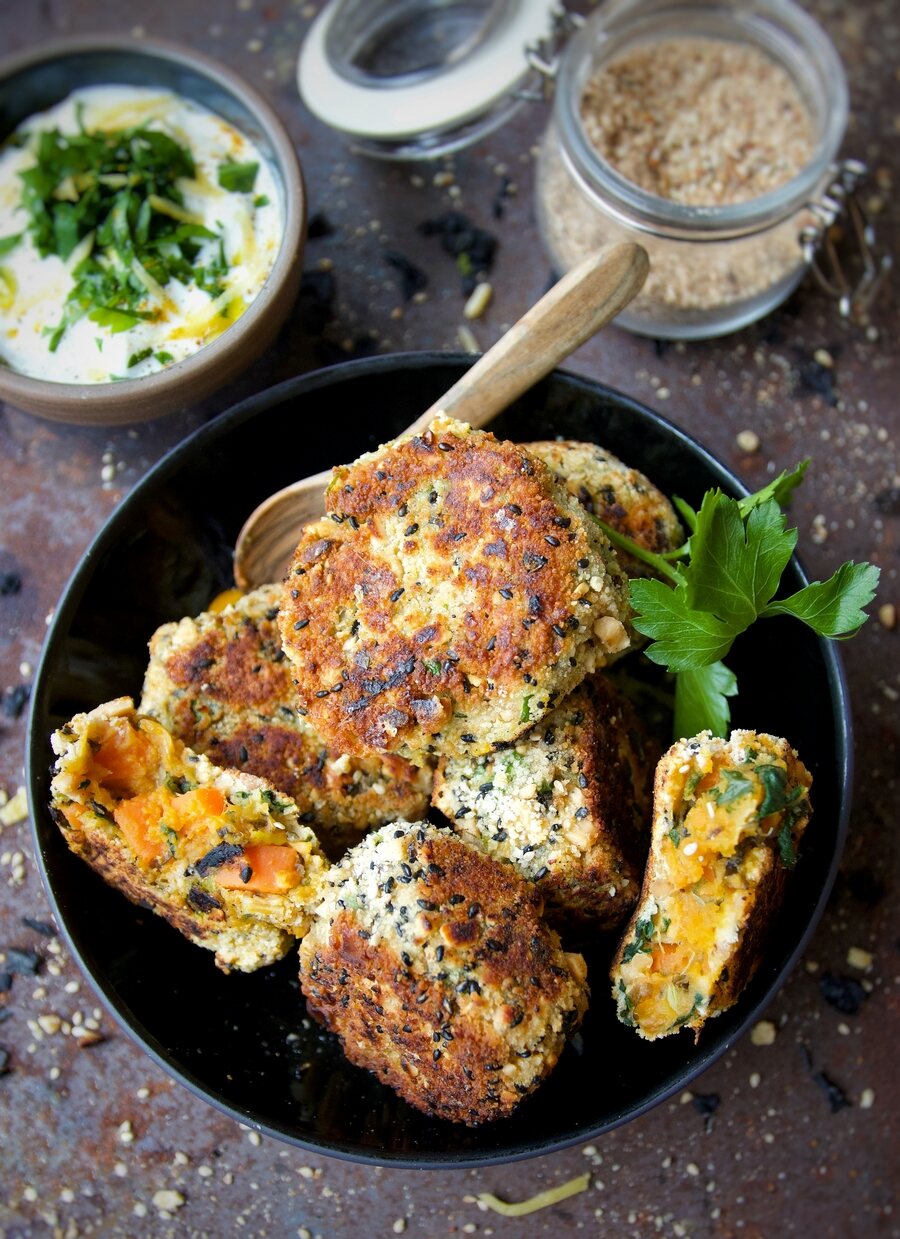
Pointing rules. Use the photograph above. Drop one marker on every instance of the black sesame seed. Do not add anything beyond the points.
(403, 509)
(514, 509)
(445, 447)
(300, 624)
(323, 692)
(336, 517)
(582, 780)
(436, 1055)
(467, 738)
(541, 873)
(500, 837)
(559, 630)
(459, 815)
(473, 910)
(584, 562)
(551, 539)
(582, 812)
(397, 594)
(458, 537)
(562, 522)
(243, 754)
(426, 905)
(439, 953)
(410, 530)
(493, 944)
(454, 899)
(490, 645)
(506, 593)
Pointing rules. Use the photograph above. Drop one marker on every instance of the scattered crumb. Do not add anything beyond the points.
(166, 1200)
(763, 1033)
(15, 810)
(748, 441)
(859, 959)
(867, 1099)
(887, 616)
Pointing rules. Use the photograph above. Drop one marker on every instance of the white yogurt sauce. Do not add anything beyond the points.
(33, 289)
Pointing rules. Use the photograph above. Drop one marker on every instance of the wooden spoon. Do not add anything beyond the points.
(574, 309)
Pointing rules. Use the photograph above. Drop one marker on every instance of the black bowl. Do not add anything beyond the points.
(244, 1042)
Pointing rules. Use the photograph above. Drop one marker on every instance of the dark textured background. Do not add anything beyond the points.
(89, 1135)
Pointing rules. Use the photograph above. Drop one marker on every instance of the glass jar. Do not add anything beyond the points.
(713, 268)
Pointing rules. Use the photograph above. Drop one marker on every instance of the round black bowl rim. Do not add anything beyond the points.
(36, 743)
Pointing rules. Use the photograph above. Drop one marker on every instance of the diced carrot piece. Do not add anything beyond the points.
(139, 820)
(273, 869)
(128, 758)
(197, 806)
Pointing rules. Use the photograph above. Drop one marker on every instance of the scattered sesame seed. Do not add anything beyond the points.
(867, 1099)
(748, 441)
(859, 959)
(167, 1200)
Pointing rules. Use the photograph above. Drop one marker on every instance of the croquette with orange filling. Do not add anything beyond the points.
(220, 854)
(728, 818)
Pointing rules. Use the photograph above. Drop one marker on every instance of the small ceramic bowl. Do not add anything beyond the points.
(39, 78)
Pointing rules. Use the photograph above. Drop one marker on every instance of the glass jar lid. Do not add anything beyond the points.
(410, 79)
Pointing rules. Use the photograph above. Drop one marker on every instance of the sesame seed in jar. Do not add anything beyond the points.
(702, 122)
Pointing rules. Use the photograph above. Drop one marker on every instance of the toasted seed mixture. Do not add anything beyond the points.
(432, 964)
(728, 817)
(453, 595)
(568, 806)
(700, 121)
(621, 496)
(218, 853)
(222, 684)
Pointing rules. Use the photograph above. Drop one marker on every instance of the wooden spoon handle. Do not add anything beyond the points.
(574, 309)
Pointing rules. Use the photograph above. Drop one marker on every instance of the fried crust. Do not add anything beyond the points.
(462, 1005)
(569, 806)
(622, 497)
(247, 930)
(454, 594)
(758, 872)
(221, 683)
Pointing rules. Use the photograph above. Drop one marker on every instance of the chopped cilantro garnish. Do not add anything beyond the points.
(734, 786)
(8, 243)
(525, 715)
(640, 944)
(163, 357)
(433, 665)
(136, 358)
(261, 200)
(109, 201)
(238, 177)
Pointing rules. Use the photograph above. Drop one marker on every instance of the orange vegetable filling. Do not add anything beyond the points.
(273, 869)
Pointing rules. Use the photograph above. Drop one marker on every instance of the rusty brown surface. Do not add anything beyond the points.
(772, 1159)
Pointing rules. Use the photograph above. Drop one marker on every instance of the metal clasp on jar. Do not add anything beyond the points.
(544, 56)
(822, 240)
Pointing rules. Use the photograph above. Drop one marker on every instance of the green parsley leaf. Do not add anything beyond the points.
(833, 608)
(736, 562)
(10, 242)
(781, 489)
(432, 665)
(163, 357)
(136, 358)
(238, 177)
(261, 200)
(525, 715)
(774, 781)
(700, 700)
(684, 638)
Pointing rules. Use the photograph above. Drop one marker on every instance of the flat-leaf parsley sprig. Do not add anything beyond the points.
(723, 579)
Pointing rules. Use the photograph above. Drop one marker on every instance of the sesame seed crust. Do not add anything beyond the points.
(621, 496)
(222, 684)
(568, 806)
(432, 964)
(454, 593)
